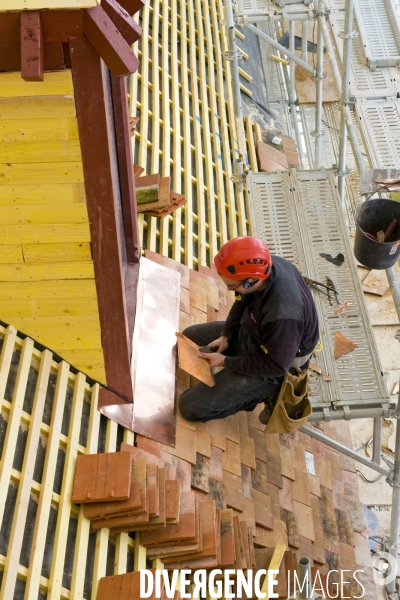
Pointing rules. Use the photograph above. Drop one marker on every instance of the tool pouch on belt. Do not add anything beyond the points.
(292, 400)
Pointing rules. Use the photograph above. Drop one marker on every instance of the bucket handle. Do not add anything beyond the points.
(362, 206)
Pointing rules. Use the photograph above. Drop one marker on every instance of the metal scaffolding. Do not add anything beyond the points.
(250, 14)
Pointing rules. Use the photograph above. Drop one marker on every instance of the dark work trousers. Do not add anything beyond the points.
(232, 392)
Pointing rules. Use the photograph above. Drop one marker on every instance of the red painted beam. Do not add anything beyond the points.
(125, 168)
(97, 136)
(127, 27)
(108, 42)
(32, 47)
(131, 6)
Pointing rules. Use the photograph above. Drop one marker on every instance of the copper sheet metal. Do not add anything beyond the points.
(153, 356)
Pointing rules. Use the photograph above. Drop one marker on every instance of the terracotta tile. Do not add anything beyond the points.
(234, 499)
(247, 453)
(152, 490)
(287, 463)
(239, 544)
(231, 458)
(184, 300)
(212, 294)
(323, 469)
(134, 502)
(228, 554)
(345, 526)
(170, 264)
(245, 538)
(318, 549)
(208, 532)
(269, 539)
(260, 477)
(185, 444)
(184, 530)
(362, 551)
(290, 567)
(305, 441)
(285, 494)
(123, 587)
(218, 524)
(350, 482)
(149, 445)
(198, 316)
(190, 361)
(356, 511)
(314, 485)
(172, 499)
(160, 519)
(182, 470)
(213, 315)
(200, 474)
(273, 492)
(232, 428)
(243, 422)
(276, 510)
(249, 514)
(216, 429)
(290, 519)
(217, 493)
(263, 510)
(347, 463)
(232, 481)
(300, 488)
(100, 477)
(203, 440)
(305, 521)
(198, 297)
(274, 469)
(260, 445)
(185, 320)
(253, 417)
(347, 553)
(215, 467)
(298, 456)
(272, 443)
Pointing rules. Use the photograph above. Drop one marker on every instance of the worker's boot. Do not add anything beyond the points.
(266, 413)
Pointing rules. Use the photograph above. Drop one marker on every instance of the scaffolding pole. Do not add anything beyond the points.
(292, 97)
(318, 89)
(347, 40)
(351, 132)
(395, 515)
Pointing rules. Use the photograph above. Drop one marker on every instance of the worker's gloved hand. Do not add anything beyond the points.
(220, 344)
(215, 359)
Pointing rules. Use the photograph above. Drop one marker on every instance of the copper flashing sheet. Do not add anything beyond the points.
(153, 356)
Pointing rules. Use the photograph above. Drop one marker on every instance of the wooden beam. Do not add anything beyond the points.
(60, 25)
(97, 136)
(127, 27)
(125, 168)
(108, 42)
(10, 57)
(32, 47)
(131, 6)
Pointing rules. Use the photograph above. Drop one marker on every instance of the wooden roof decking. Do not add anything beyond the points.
(47, 280)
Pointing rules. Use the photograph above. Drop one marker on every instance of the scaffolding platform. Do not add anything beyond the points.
(298, 215)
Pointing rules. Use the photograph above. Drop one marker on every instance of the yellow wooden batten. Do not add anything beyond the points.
(14, 5)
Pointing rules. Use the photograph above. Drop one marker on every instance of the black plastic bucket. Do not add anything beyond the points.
(373, 216)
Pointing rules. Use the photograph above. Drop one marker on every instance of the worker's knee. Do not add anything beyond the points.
(190, 331)
(190, 408)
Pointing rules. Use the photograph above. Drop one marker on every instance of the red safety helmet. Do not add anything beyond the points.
(244, 257)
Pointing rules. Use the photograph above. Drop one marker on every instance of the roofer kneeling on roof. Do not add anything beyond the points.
(271, 329)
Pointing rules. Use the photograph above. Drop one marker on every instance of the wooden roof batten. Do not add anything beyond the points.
(35, 41)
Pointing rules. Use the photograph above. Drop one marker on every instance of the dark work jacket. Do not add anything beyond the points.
(282, 318)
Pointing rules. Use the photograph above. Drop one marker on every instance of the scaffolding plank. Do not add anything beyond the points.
(378, 24)
(298, 215)
(364, 82)
(379, 122)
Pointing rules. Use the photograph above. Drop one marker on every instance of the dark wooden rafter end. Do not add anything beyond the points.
(32, 46)
(108, 42)
(127, 27)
